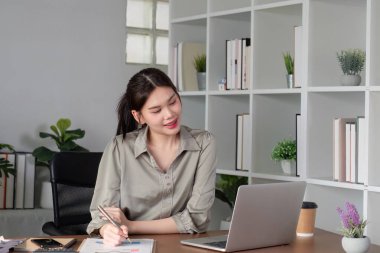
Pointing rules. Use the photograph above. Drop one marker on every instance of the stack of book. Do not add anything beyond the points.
(349, 149)
(238, 63)
(18, 191)
(242, 142)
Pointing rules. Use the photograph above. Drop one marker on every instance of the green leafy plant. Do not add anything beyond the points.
(200, 63)
(227, 187)
(63, 138)
(351, 61)
(6, 167)
(285, 150)
(289, 63)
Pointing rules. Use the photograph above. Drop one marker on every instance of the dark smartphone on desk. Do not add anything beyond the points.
(47, 243)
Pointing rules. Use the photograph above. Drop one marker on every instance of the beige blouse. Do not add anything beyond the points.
(129, 178)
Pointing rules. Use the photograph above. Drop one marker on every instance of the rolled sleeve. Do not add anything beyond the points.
(196, 216)
(107, 189)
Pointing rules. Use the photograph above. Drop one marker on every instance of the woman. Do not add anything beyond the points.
(159, 178)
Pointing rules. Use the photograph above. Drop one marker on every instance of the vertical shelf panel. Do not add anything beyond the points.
(222, 123)
(373, 229)
(274, 119)
(328, 199)
(374, 140)
(193, 111)
(375, 43)
(273, 35)
(334, 26)
(222, 28)
(322, 109)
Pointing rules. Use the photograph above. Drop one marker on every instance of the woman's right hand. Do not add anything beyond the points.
(112, 235)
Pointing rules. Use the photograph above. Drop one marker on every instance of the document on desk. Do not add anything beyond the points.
(95, 245)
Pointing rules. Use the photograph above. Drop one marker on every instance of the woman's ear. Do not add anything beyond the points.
(137, 116)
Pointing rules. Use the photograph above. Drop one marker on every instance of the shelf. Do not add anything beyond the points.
(276, 5)
(337, 88)
(277, 91)
(191, 93)
(275, 177)
(229, 92)
(330, 183)
(230, 12)
(192, 20)
(233, 172)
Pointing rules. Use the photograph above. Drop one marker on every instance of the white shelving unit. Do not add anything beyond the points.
(328, 26)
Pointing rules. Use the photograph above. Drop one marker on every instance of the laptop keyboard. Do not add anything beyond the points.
(220, 244)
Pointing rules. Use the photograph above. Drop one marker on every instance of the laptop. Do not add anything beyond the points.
(264, 215)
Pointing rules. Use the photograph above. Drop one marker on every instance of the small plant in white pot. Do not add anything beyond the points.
(352, 62)
(200, 66)
(289, 65)
(286, 153)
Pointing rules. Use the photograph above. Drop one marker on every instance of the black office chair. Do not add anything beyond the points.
(73, 177)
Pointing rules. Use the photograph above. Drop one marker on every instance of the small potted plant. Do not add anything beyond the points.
(289, 65)
(199, 63)
(353, 227)
(226, 190)
(64, 139)
(286, 152)
(352, 62)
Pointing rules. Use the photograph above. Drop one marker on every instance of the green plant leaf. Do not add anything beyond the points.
(54, 129)
(6, 146)
(220, 195)
(74, 134)
(6, 167)
(43, 154)
(68, 146)
(63, 125)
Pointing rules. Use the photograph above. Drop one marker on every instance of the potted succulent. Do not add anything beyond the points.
(353, 227)
(352, 62)
(64, 139)
(289, 65)
(226, 191)
(199, 63)
(6, 167)
(286, 152)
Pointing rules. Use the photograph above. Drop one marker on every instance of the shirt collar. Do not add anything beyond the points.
(187, 141)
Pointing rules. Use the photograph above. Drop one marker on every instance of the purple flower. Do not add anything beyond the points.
(353, 226)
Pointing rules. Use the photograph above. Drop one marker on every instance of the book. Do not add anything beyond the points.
(339, 148)
(298, 144)
(243, 142)
(353, 169)
(361, 149)
(187, 74)
(20, 180)
(29, 181)
(91, 245)
(28, 245)
(298, 56)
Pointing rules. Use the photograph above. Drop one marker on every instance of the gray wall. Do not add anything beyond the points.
(61, 59)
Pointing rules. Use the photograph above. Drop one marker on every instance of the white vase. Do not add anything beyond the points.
(355, 245)
(350, 80)
(288, 166)
(46, 200)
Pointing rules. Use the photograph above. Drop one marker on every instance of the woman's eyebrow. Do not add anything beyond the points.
(158, 106)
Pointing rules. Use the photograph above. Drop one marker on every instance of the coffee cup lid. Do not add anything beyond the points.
(309, 205)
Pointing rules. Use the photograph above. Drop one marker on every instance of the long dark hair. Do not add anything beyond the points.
(139, 87)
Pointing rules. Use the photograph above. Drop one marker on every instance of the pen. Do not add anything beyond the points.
(101, 209)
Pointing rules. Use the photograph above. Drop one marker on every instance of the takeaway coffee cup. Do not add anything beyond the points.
(306, 221)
